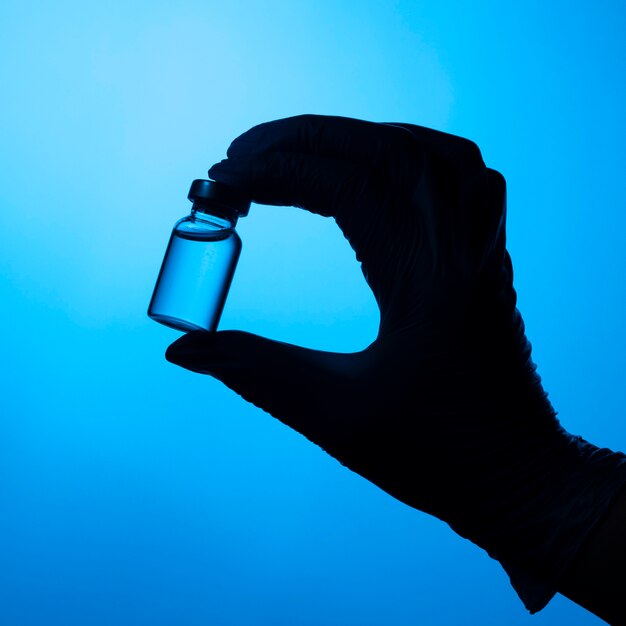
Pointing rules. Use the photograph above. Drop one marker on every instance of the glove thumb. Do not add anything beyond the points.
(304, 388)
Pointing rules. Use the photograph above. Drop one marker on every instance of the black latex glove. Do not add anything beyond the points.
(443, 409)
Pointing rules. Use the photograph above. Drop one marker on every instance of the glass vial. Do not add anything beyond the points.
(200, 260)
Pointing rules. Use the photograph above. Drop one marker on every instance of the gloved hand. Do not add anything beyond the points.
(444, 410)
(434, 408)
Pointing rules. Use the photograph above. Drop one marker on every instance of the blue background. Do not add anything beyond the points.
(134, 492)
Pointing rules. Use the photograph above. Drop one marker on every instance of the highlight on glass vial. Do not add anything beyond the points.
(200, 259)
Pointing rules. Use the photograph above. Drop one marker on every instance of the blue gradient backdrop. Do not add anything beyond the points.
(133, 492)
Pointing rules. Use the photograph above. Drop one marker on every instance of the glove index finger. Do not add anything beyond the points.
(340, 138)
(320, 185)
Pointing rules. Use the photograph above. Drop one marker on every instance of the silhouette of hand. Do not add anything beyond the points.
(429, 411)
(444, 410)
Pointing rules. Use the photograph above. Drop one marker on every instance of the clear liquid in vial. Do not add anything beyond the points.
(195, 278)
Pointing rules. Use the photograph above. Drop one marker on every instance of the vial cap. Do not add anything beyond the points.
(214, 197)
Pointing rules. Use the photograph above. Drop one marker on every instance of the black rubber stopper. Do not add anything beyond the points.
(212, 197)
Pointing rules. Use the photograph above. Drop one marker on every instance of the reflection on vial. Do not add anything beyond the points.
(195, 277)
